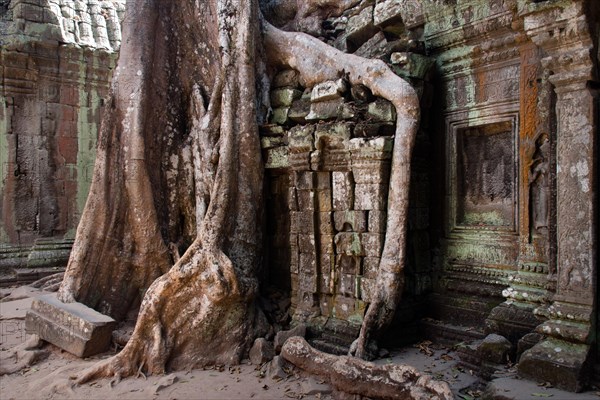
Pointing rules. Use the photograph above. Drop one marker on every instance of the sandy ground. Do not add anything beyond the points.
(52, 377)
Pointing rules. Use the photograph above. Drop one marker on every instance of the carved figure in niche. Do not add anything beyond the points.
(539, 187)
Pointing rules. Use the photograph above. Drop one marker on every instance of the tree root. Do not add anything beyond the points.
(22, 356)
(319, 62)
(49, 283)
(355, 376)
(199, 294)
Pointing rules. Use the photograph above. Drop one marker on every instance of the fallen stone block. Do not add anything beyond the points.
(261, 352)
(73, 327)
(282, 336)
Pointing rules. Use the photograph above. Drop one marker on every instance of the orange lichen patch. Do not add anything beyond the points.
(529, 121)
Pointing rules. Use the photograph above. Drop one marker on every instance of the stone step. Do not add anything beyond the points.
(73, 327)
(449, 334)
(33, 274)
(328, 347)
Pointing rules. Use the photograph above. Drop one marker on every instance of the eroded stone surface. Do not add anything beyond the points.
(73, 327)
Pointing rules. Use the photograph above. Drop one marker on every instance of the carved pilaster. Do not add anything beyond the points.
(560, 29)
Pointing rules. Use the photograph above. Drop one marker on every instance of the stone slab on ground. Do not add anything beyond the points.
(521, 389)
(16, 309)
(73, 327)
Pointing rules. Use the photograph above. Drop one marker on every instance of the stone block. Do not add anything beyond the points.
(325, 223)
(324, 203)
(367, 129)
(29, 12)
(306, 199)
(325, 283)
(307, 267)
(284, 97)
(392, 12)
(368, 149)
(299, 161)
(361, 28)
(300, 139)
(282, 336)
(277, 158)
(350, 221)
(370, 196)
(294, 227)
(307, 244)
(73, 327)
(286, 78)
(373, 172)
(349, 243)
(280, 115)
(333, 136)
(343, 190)
(294, 285)
(377, 221)
(304, 180)
(323, 180)
(307, 282)
(372, 244)
(494, 349)
(341, 43)
(386, 12)
(269, 142)
(330, 160)
(330, 109)
(382, 110)
(561, 363)
(412, 66)
(328, 90)
(272, 130)
(348, 264)
(326, 244)
(299, 110)
(277, 368)
(346, 284)
(294, 255)
(292, 199)
(326, 305)
(262, 351)
(375, 47)
(302, 222)
(344, 307)
(326, 263)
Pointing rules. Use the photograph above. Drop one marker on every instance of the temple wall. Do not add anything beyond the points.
(503, 213)
(56, 62)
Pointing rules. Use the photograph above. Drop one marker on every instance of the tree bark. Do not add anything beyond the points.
(177, 124)
(179, 170)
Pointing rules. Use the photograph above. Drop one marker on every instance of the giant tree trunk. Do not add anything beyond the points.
(179, 169)
(178, 164)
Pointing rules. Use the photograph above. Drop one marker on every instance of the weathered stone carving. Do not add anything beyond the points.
(56, 60)
(539, 187)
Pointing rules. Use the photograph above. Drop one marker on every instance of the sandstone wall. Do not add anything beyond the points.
(56, 63)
